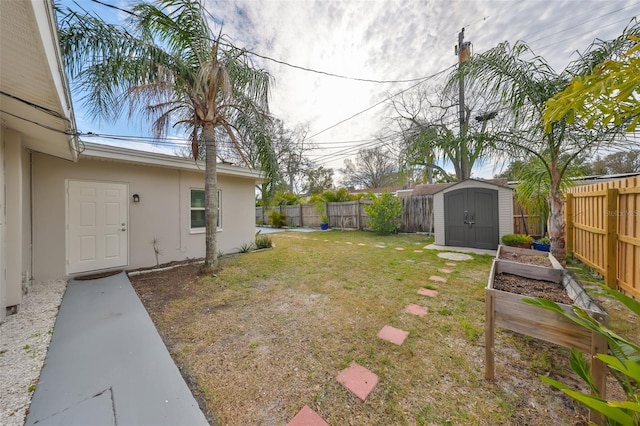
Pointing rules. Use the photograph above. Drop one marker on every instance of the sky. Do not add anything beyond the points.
(375, 40)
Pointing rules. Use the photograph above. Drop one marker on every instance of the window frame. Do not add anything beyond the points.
(202, 229)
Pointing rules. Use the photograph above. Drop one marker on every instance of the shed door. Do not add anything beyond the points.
(97, 231)
(471, 218)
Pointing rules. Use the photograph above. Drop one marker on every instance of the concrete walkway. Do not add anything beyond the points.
(107, 364)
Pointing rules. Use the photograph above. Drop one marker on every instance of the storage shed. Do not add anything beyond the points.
(473, 213)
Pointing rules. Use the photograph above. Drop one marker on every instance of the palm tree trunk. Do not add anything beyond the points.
(556, 217)
(211, 198)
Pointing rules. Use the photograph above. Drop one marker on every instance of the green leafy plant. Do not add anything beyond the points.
(263, 241)
(543, 240)
(246, 247)
(623, 363)
(517, 240)
(384, 213)
(277, 219)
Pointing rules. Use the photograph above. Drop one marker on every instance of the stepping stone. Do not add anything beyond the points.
(438, 279)
(445, 271)
(400, 248)
(416, 310)
(393, 335)
(450, 264)
(348, 242)
(307, 417)
(358, 380)
(379, 246)
(418, 251)
(362, 244)
(454, 256)
(427, 292)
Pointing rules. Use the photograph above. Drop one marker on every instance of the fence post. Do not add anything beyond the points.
(569, 229)
(611, 246)
(301, 218)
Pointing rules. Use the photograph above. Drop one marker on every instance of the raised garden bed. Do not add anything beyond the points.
(516, 274)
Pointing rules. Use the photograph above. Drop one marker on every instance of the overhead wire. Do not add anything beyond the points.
(367, 142)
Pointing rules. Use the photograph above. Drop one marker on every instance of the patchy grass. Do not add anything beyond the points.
(272, 330)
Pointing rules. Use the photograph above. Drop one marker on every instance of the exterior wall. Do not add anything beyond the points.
(18, 231)
(505, 208)
(3, 251)
(163, 212)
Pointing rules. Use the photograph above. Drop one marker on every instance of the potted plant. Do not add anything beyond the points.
(542, 244)
(321, 209)
(517, 240)
(324, 222)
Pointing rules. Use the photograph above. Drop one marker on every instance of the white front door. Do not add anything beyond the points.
(97, 225)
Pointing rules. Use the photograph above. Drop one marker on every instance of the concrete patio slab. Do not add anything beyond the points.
(393, 335)
(307, 417)
(427, 292)
(107, 365)
(358, 380)
(455, 256)
(460, 249)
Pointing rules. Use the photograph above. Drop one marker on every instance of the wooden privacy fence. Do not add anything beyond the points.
(417, 214)
(603, 231)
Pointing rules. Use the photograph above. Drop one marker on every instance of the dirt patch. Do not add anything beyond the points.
(529, 259)
(532, 288)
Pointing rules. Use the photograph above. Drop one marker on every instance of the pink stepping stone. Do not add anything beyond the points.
(417, 251)
(445, 271)
(437, 278)
(362, 244)
(393, 335)
(450, 264)
(416, 309)
(427, 292)
(358, 380)
(400, 248)
(307, 417)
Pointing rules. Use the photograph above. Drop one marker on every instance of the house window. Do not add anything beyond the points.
(198, 221)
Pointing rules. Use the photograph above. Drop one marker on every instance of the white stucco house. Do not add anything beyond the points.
(69, 208)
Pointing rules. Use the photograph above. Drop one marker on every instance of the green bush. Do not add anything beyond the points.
(384, 213)
(277, 219)
(263, 241)
(517, 239)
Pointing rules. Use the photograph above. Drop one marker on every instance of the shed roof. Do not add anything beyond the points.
(434, 188)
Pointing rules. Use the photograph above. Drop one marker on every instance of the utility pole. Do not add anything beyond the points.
(462, 50)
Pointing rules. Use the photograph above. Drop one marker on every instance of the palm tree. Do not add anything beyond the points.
(522, 83)
(168, 66)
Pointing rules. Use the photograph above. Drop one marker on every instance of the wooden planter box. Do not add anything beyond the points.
(507, 310)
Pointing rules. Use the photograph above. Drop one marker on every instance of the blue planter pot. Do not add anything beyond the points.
(324, 226)
(541, 247)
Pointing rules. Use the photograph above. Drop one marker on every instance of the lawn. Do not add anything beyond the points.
(270, 333)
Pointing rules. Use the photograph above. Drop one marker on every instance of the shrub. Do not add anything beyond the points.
(263, 241)
(516, 240)
(245, 248)
(277, 219)
(384, 213)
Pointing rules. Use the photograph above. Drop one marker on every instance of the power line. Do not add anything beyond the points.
(281, 62)
(380, 102)
(584, 22)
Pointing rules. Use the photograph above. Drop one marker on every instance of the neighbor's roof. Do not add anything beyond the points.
(96, 151)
